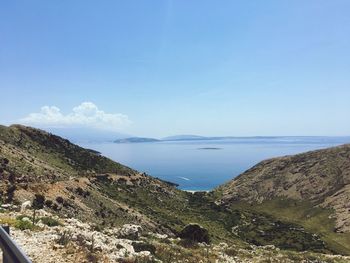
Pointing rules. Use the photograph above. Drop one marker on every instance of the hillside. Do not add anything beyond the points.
(317, 179)
(80, 184)
(77, 182)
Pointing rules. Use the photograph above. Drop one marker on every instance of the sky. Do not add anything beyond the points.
(158, 68)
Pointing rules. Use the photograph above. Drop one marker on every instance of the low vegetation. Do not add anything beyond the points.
(72, 182)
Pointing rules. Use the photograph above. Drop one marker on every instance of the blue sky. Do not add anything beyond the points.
(158, 68)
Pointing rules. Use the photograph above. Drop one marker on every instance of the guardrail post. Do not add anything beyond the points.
(5, 256)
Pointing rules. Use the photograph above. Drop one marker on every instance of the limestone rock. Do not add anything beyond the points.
(25, 206)
(130, 231)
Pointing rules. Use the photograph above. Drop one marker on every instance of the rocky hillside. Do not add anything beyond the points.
(321, 177)
(69, 184)
(41, 156)
(73, 181)
(311, 189)
(53, 239)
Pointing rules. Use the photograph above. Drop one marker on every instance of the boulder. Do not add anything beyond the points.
(25, 206)
(6, 206)
(195, 233)
(129, 231)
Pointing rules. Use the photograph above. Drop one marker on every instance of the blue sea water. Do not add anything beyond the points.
(203, 165)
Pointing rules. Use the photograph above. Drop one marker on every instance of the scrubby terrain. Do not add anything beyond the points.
(53, 239)
(83, 207)
(312, 189)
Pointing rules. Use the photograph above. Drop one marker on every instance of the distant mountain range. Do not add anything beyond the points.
(179, 138)
(136, 140)
(169, 138)
(218, 138)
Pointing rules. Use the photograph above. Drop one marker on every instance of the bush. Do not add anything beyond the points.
(23, 225)
(56, 207)
(59, 200)
(10, 193)
(48, 203)
(7, 221)
(138, 247)
(49, 221)
(38, 202)
(195, 233)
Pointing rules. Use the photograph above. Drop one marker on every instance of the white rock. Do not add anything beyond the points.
(25, 206)
(144, 253)
(159, 236)
(26, 219)
(130, 231)
(42, 212)
(6, 206)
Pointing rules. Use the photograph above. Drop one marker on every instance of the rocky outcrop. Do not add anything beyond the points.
(130, 231)
(78, 238)
(25, 206)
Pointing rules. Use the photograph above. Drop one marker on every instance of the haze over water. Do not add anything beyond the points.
(203, 165)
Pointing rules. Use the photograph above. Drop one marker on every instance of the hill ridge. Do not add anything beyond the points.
(320, 176)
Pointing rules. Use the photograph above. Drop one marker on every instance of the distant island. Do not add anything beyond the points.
(210, 148)
(178, 138)
(170, 138)
(136, 140)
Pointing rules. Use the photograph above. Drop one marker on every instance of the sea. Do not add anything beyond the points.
(202, 165)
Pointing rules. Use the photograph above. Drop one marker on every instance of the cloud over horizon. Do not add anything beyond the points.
(86, 115)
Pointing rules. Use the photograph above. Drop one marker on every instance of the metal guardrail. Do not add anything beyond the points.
(11, 252)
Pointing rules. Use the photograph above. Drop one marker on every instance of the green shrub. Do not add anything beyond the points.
(49, 221)
(48, 203)
(138, 247)
(23, 225)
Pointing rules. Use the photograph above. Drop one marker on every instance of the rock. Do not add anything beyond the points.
(144, 254)
(41, 224)
(57, 246)
(26, 219)
(42, 213)
(129, 231)
(159, 236)
(269, 247)
(6, 206)
(25, 206)
(196, 233)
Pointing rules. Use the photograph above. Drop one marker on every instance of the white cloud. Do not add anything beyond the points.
(86, 114)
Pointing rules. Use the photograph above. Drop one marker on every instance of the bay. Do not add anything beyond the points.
(205, 164)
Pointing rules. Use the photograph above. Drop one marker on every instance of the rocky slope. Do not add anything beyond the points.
(75, 182)
(70, 240)
(321, 177)
(39, 170)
